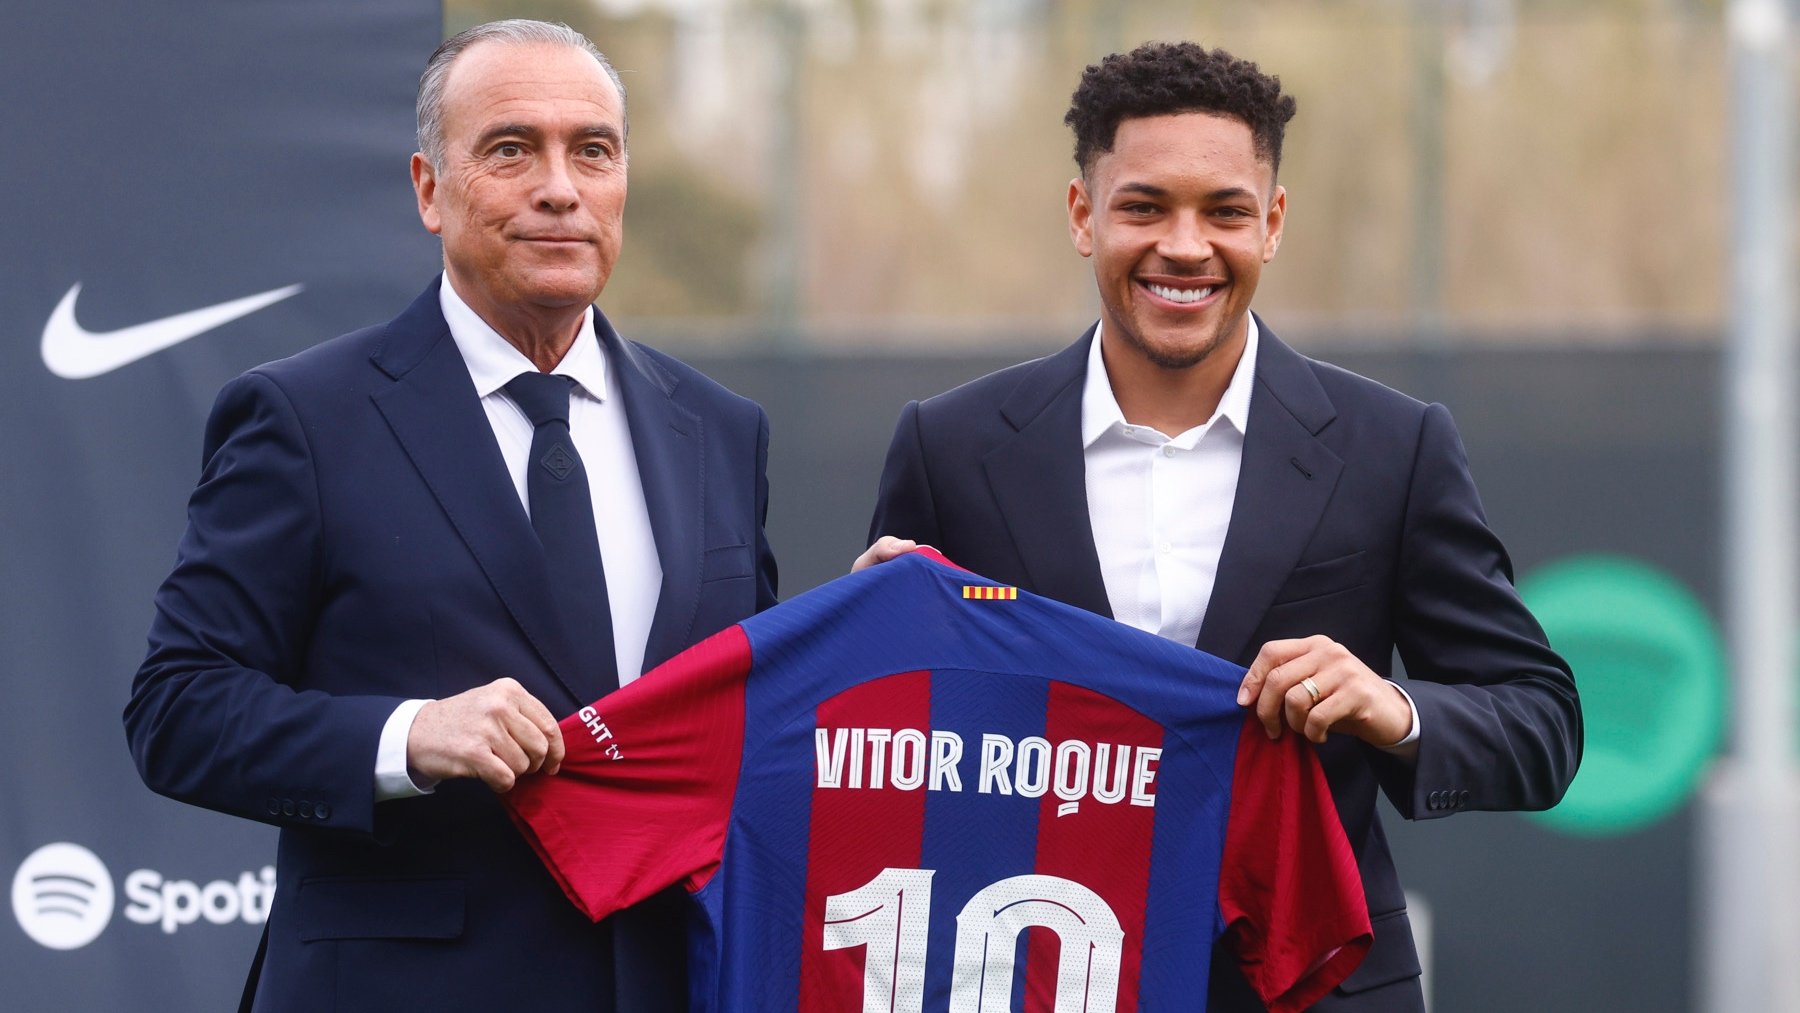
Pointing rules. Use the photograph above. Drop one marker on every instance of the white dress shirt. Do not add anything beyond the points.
(1160, 505)
(621, 519)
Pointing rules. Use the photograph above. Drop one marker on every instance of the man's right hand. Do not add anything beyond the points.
(495, 732)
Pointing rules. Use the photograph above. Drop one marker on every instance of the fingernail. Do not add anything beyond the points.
(1243, 696)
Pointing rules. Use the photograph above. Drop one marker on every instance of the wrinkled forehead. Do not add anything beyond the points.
(499, 78)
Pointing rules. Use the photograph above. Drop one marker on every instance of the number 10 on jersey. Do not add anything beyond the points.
(890, 915)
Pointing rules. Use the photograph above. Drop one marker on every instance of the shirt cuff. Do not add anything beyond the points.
(1408, 747)
(392, 779)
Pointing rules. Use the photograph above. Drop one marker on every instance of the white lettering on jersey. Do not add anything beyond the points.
(895, 937)
(875, 758)
(1113, 792)
(878, 739)
(1071, 778)
(996, 761)
(908, 759)
(1091, 945)
(601, 733)
(1142, 775)
(946, 753)
(1031, 772)
(830, 749)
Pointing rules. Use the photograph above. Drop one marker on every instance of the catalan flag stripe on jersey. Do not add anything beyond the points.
(885, 796)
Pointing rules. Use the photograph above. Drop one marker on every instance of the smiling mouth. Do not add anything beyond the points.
(1177, 294)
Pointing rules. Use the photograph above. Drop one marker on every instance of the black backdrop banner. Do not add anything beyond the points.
(191, 188)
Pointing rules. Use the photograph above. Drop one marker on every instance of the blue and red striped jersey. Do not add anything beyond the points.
(911, 790)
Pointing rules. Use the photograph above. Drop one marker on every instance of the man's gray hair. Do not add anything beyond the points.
(515, 31)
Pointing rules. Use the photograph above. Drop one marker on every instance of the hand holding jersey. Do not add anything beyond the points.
(494, 732)
(1289, 681)
(1318, 687)
(876, 790)
(884, 548)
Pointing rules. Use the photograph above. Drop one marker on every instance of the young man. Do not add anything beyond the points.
(1182, 470)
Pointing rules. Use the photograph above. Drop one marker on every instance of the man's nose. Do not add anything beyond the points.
(1186, 240)
(555, 189)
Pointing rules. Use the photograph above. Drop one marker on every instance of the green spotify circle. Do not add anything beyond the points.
(1651, 677)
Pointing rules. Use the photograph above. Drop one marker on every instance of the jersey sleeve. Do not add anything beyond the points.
(1289, 890)
(647, 782)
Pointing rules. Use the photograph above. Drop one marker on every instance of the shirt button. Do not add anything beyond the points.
(1168, 451)
(1165, 548)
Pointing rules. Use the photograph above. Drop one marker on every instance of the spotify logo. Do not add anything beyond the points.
(62, 896)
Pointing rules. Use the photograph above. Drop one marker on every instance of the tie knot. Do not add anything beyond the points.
(543, 397)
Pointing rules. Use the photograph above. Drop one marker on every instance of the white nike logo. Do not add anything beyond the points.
(75, 353)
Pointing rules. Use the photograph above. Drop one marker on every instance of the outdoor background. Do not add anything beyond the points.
(1519, 209)
(858, 174)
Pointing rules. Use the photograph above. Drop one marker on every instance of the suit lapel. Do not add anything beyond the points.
(434, 412)
(1040, 482)
(666, 439)
(1284, 483)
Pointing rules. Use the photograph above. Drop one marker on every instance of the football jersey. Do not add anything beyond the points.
(911, 789)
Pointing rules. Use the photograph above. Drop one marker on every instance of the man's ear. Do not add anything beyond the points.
(1081, 217)
(1275, 219)
(424, 180)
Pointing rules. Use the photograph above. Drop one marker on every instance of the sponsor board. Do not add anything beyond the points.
(63, 897)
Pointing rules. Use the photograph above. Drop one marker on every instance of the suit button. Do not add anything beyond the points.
(304, 810)
(274, 806)
(1462, 797)
(1432, 800)
(287, 807)
(321, 810)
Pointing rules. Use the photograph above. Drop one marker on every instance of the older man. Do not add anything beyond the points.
(414, 546)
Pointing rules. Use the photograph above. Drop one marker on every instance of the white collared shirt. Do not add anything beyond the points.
(602, 437)
(1160, 505)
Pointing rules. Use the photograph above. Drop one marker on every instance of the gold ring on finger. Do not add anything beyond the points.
(1312, 689)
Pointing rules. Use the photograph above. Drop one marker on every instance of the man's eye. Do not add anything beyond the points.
(509, 150)
(593, 151)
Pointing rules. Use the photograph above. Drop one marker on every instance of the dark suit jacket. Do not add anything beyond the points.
(355, 541)
(1355, 518)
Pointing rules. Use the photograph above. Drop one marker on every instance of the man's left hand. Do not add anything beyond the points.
(885, 548)
(1351, 698)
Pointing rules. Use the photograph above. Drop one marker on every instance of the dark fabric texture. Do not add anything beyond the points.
(1355, 517)
(562, 514)
(355, 541)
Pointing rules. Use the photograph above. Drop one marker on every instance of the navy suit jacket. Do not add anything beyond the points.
(1355, 517)
(355, 541)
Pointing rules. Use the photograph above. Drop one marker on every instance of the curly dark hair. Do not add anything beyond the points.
(1158, 78)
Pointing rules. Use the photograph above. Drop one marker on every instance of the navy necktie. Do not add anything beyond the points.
(562, 513)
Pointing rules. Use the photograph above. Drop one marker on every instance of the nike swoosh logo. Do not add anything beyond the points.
(75, 353)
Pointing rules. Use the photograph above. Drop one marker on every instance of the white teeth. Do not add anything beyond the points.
(1181, 294)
